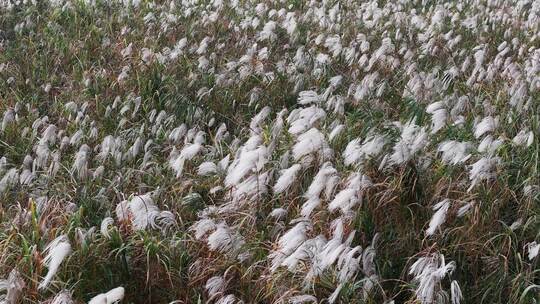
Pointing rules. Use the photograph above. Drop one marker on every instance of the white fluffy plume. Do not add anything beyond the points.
(13, 286)
(287, 178)
(187, 153)
(428, 272)
(56, 251)
(142, 213)
(439, 217)
(112, 296)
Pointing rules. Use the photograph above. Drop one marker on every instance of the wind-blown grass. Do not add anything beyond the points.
(274, 152)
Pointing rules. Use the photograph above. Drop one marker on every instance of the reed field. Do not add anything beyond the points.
(282, 151)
